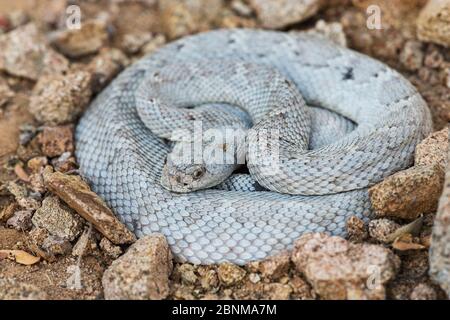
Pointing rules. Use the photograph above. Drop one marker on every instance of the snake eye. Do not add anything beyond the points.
(198, 173)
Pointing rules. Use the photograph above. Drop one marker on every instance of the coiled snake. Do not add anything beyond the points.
(360, 119)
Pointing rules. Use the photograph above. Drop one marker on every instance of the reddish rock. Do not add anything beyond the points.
(24, 52)
(433, 23)
(56, 140)
(281, 13)
(60, 99)
(88, 39)
(338, 269)
(142, 272)
(77, 194)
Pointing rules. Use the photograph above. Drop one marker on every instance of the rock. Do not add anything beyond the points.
(180, 18)
(276, 266)
(132, 43)
(77, 194)
(56, 246)
(58, 219)
(434, 59)
(408, 193)
(142, 272)
(414, 191)
(20, 193)
(105, 66)
(338, 269)
(65, 163)
(241, 8)
(440, 241)
(5, 93)
(208, 278)
(423, 292)
(277, 291)
(11, 289)
(21, 220)
(254, 277)
(37, 164)
(356, 229)
(412, 55)
(187, 274)
(86, 244)
(230, 274)
(75, 43)
(109, 249)
(276, 14)
(301, 289)
(25, 53)
(60, 99)
(433, 24)
(56, 140)
(433, 150)
(156, 42)
(7, 210)
(381, 229)
(333, 31)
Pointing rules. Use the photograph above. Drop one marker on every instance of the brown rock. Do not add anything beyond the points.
(109, 249)
(433, 150)
(356, 229)
(433, 24)
(142, 272)
(105, 66)
(276, 266)
(7, 209)
(338, 269)
(10, 289)
(65, 163)
(58, 219)
(301, 289)
(56, 140)
(20, 193)
(280, 13)
(156, 42)
(412, 55)
(440, 242)
(77, 194)
(208, 278)
(56, 246)
(180, 18)
(277, 291)
(132, 43)
(331, 31)
(408, 193)
(21, 220)
(230, 274)
(381, 229)
(187, 273)
(88, 39)
(60, 99)
(5, 93)
(86, 244)
(423, 292)
(25, 53)
(37, 164)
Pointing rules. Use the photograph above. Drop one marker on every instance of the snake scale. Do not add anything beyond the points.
(346, 122)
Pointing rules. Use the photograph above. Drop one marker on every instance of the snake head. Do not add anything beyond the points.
(182, 174)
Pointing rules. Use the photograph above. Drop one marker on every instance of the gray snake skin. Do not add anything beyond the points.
(367, 126)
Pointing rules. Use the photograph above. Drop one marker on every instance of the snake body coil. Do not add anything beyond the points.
(369, 121)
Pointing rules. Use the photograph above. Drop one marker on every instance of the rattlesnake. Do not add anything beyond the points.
(361, 120)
